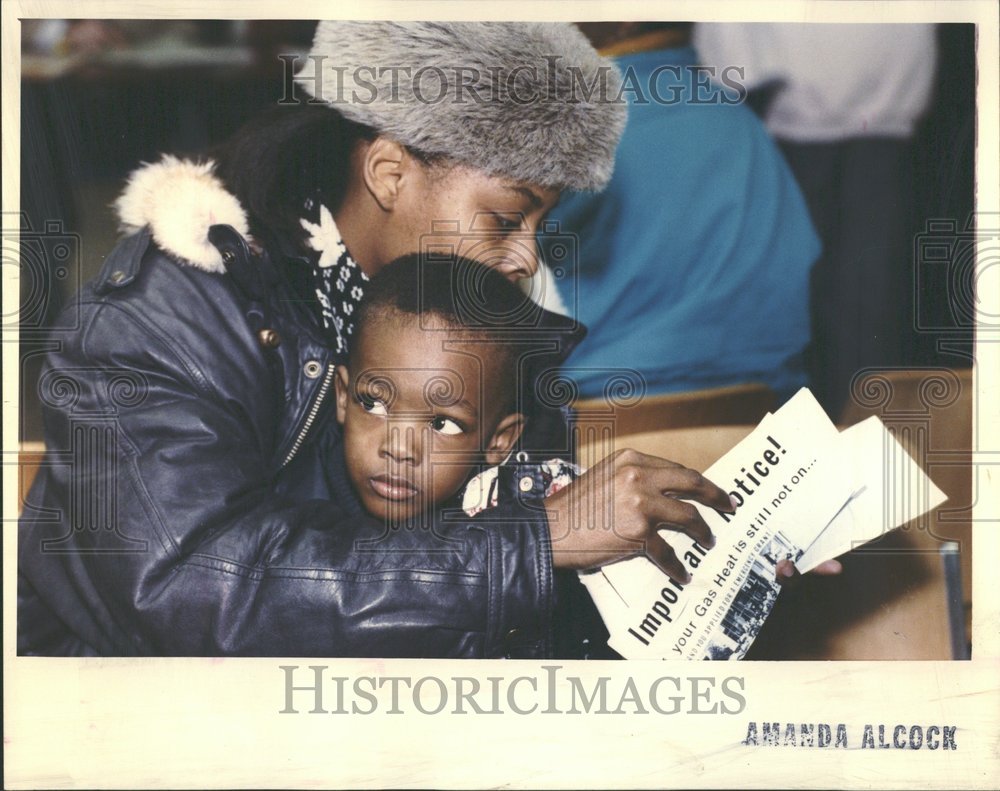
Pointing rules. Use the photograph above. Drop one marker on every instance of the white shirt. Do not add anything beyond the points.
(839, 81)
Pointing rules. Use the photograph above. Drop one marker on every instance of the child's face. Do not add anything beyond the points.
(420, 408)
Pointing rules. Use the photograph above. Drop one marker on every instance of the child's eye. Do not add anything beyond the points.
(372, 405)
(444, 425)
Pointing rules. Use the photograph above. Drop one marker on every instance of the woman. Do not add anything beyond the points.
(199, 366)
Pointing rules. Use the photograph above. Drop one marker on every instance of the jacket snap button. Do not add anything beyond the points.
(269, 339)
(117, 277)
(526, 484)
(228, 256)
(312, 369)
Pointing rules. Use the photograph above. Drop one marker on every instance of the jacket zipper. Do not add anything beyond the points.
(324, 388)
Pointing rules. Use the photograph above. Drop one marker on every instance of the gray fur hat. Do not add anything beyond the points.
(532, 101)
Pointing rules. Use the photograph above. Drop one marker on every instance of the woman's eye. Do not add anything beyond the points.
(372, 406)
(508, 222)
(444, 425)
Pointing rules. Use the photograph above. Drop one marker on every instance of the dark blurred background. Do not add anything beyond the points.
(98, 97)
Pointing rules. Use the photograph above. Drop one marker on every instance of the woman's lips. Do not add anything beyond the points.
(392, 487)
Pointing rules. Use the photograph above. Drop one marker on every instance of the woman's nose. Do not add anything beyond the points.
(520, 261)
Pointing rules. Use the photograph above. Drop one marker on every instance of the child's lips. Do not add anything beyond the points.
(392, 487)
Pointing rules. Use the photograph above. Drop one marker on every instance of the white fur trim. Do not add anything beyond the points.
(515, 109)
(179, 200)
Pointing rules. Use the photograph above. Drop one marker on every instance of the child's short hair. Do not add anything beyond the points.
(463, 293)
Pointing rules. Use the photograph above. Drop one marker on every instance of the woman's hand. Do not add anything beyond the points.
(786, 572)
(614, 510)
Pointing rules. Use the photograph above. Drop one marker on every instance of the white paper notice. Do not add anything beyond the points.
(800, 485)
(890, 490)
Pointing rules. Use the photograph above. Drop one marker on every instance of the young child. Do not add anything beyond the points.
(415, 433)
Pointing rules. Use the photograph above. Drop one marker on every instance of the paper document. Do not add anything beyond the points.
(805, 492)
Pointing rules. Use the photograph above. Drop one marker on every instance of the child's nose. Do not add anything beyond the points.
(402, 443)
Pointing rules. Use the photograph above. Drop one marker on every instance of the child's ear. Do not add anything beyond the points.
(341, 383)
(504, 436)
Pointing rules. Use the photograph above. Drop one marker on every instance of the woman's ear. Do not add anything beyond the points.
(504, 436)
(384, 168)
(341, 383)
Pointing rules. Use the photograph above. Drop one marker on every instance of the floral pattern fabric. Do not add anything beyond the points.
(483, 491)
(339, 281)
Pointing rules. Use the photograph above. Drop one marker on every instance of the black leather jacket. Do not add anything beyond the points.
(174, 401)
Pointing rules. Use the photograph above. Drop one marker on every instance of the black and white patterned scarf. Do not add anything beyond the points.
(338, 280)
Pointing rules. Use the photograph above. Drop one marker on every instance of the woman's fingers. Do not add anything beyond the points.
(672, 514)
(786, 572)
(632, 456)
(672, 479)
(665, 558)
(828, 568)
(616, 509)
